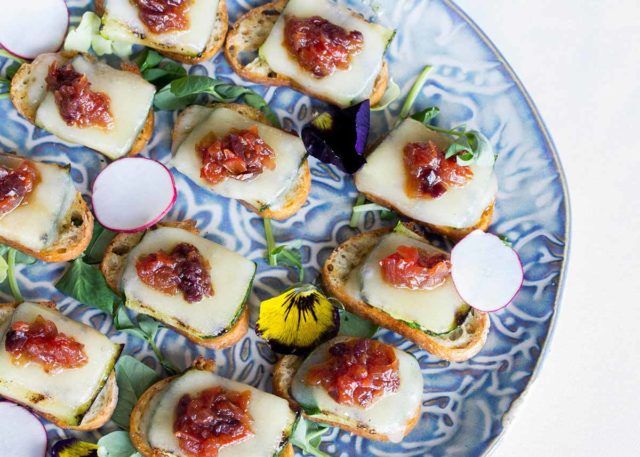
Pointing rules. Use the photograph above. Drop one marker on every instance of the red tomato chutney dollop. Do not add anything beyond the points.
(40, 342)
(320, 46)
(241, 155)
(161, 16)
(182, 269)
(429, 173)
(15, 185)
(357, 372)
(78, 105)
(211, 420)
(412, 268)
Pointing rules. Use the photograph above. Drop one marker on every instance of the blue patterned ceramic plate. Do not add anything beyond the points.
(466, 405)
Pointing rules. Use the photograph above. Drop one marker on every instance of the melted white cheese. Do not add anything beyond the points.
(130, 99)
(343, 87)
(68, 393)
(272, 418)
(384, 177)
(265, 189)
(434, 310)
(121, 22)
(231, 278)
(389, 415)
(35, 223)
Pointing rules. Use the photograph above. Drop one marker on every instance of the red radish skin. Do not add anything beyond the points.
(108, 183)
(21, 432)
(469, 260)
(28, 29)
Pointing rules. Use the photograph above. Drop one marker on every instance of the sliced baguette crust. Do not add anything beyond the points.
(349, 255)
(296, 197)
(73, 238)
(113, 265)
(249, 33)
(104, 404)
(216, 41)
(283, 374)
(452, 233)
(138, 421)
(20, 99)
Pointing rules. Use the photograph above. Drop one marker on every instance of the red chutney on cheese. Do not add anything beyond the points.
(412, 268)
(42, 343)
(182, 269)
(357, 372)
(320, 46)
(16, 185)
(429, 173)
(241, 155)
(211, 420)
(79, 106)
(161, 16)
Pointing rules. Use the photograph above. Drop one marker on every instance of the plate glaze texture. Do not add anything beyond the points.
(465, 405)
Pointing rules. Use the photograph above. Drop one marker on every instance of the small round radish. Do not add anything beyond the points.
(21, 433)
(132, 194)
(486, 272)
(33, 27)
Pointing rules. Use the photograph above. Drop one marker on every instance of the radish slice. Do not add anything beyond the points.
(21, 433)
(132, 194)
(487, 273)
(33, 27)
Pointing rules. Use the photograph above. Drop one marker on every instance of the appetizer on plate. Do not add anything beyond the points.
(189, 31)
(409, 172)
(60, 368)
(199, 413)
(41, 212)
(230, 150)
(189, 283)
(86, 102)
(363, 386)
(401, 282)
(317, 47)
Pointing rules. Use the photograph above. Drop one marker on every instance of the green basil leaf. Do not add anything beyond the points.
(12, 69)
(21, 257)
(289, 255)
(148, 59)
(354, 325)
(427, 115)
(99, 241)
(116, 444)
(133, 377)
(86, 284)
(184, 91)
(455, 149)
(307, 436)
(4, 269)
(149, 325)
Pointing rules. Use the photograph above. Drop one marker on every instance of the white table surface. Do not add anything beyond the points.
(580, 60)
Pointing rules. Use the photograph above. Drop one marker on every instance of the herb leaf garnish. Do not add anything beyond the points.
(287, 255)
(184, 91)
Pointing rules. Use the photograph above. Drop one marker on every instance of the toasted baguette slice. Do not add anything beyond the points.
(299, 192)
(216, 41)
(249, 33)
(454, 234)
(113, 265)
(138, 424)
(283, 374)
(73, 238)
(457, 346)
(103, 406)
(19, 95)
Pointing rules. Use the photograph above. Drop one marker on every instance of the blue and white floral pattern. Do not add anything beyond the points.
(466, 405)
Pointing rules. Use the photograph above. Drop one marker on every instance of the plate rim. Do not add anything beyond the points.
(509, 415)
